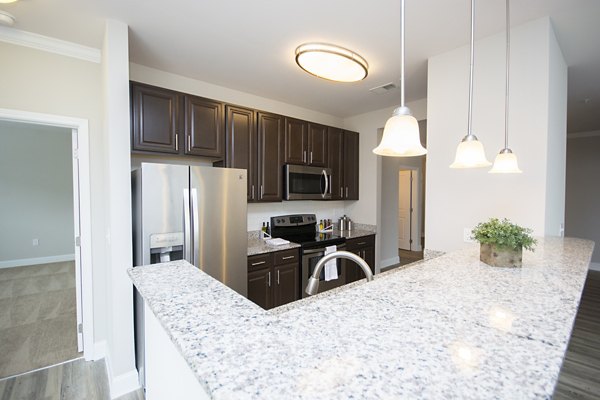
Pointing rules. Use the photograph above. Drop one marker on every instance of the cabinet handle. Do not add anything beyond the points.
(361, 243)
(262, 191)
(176, 142)
(269, 280)
(311, 158)
(341, 192)
(252, 192)
(346, 191)
(258, 263)
(287, 258)
(304, 156)
(189, 142)
(277, 277)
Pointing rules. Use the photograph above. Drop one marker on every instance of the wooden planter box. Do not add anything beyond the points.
(501, 256)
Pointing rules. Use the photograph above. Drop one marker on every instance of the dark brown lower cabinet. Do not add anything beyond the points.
(364, 247)
(274, 278)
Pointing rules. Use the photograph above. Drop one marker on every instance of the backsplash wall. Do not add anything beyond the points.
(262, 212)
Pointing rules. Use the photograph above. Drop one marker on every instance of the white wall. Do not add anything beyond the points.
(36, 193)
(583, 194)
(115, 77)
(367, 209)
(38, 81)
(458, 199)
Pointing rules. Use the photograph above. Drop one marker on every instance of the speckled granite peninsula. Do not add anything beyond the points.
(447, 328)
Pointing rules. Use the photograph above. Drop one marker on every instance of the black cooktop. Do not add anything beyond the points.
(302, 229)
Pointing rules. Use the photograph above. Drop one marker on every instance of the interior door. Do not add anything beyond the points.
(77, 232)
(404, 204)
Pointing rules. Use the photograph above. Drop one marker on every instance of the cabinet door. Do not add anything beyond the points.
(154, 119)
(352, 268)
(296, 141)
(350, 165)
(317, 145)
(241, 144)
(270, 157)
(203, 127)
(335, 147)
(286, 284)
(259, 287)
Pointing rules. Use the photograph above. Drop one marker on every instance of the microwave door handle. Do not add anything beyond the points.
(326, 183)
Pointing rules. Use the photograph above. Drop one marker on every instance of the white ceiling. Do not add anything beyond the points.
(249, 45)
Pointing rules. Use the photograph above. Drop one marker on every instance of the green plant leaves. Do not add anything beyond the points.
(504, 234)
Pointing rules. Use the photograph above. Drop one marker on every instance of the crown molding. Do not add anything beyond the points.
(49, 44)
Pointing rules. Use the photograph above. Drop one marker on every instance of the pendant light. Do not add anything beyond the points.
(401, 132)
(470, 152)
(506, 161)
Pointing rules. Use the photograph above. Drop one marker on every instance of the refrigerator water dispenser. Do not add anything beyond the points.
(165, 247)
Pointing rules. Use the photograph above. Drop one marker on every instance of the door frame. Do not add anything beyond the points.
(85, 233)
(415, 200)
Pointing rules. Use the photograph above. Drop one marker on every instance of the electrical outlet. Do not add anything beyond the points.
(35, 242)
(561, 230)
(467, 235)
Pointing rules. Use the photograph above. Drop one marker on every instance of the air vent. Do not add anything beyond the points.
(383, 88)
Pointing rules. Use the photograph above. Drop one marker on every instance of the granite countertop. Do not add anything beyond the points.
(448, 327)
(258, 246)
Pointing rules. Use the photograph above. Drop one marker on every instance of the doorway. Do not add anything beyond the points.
(45, 260)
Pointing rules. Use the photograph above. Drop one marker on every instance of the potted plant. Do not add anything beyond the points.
(502, 242)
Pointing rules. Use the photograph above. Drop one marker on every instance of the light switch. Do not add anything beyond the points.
(35, 242)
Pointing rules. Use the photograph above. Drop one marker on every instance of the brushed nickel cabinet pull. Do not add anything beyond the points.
(346, 191)
(176, 142)
(262, 192)
(252, 195)
(311, 157)
(258, 263)
(269, 280)
(189, 141)
(278, 277)
(288, 257)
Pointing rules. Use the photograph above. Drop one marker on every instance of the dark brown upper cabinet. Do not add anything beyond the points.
(154, 119)
(305, 143)
(203, 127)
(351, 155)
(241, 144)
(296, 141)
(335, 146)
(270, 156)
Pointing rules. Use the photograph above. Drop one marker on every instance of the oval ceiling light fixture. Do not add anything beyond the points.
(6, 18)
(401, 137)
(8, 1)
(331, 62)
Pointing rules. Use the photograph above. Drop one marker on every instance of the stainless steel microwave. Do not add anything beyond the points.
(307, 183)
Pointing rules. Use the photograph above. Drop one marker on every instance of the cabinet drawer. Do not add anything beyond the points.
(260, 261)
(365, 241)
(287, 257)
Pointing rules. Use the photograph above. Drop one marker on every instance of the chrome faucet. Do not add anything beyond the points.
(313, 281)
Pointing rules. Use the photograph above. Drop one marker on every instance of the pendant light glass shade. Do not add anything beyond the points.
(505, 163)
(470, 154)
(401, 136)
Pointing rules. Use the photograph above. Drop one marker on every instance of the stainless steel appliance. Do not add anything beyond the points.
(192, 213)
(307, 183)
(301, 229)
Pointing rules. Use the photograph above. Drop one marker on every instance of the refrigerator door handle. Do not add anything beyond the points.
(195, 229)
(186, 226)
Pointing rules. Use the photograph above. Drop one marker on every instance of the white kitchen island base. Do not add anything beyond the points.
(168, 375)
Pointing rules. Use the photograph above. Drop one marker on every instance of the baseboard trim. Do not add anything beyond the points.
(98, 353)
(594, 266)
(388, 262)
(34, 261)
(120, 384)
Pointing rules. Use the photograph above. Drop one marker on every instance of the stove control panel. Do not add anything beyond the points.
(293, 220)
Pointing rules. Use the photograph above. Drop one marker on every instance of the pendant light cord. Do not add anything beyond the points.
(469, 130)
(402, 53)
(507, 73)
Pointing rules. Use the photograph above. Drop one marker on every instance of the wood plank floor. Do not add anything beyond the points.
(580, 374)
(74, 380)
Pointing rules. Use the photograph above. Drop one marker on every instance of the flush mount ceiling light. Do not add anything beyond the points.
(401, 132)
(7, 1)
(331, 62)
(506, 161)
(6, 18)
(470, 152)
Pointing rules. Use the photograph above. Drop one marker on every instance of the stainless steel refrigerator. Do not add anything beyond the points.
(192, 213)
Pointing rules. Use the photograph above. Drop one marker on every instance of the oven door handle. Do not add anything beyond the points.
(321, 250)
